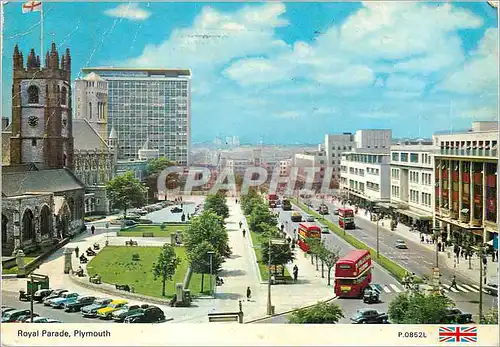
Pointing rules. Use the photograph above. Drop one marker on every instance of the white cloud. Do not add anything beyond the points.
(255, 71)
(485, 113)
(402, 83)
(130, 11)
(480, 73)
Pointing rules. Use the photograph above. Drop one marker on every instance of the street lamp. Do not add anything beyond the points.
(482, 276)
(376, 210)
(211, 254)
(437, 283)
(269, 305)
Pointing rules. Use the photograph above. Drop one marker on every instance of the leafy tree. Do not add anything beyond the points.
(491, 317)
(321, 313)
(199, 260)
(207, 227)
(126, 191)
(249, 199)
(329, 257)
(281, 254)
(238, 181)
(418, 308)
(154, 168)
(260, 214)
(315, 248)
(165, 267)
(217, 203)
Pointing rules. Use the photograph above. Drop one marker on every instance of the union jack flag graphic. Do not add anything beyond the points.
(458, 334)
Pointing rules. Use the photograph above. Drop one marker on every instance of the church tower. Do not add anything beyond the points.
(42, 129)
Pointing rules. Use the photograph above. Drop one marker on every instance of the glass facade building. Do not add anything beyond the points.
(149, 104)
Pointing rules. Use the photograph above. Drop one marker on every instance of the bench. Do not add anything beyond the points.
(131, 243)
(96, 279)
(280, 280)
(148, 234)
(225, 317)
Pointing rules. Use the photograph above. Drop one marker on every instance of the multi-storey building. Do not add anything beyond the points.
(152, 104)
(412, 181)
(311, 163)
(285, 166)
(335, 145)
(373, 138)
(365, 176)
(465, 169)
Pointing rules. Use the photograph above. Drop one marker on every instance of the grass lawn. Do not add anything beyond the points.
(13, 270)
(264, 271)
(115, 265)
(395, 269)
(155, 229)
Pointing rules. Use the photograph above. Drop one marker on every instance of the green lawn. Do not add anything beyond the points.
(115, 266)
(13, 270)
(264, 271)
(395, 269)
(155, 229)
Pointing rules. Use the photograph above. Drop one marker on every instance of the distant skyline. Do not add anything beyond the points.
(289, 72)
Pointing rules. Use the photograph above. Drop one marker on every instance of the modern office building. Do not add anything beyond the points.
(310, 163)
(412, 181)
(465, 169)
(152, 104)
(373, 138)
(335, 145)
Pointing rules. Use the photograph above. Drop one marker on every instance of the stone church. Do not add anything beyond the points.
(42, 199)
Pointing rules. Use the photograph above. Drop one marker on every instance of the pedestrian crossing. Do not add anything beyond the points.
(396, 289)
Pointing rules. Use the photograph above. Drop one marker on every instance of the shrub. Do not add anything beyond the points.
(163, 226)
(135, 257)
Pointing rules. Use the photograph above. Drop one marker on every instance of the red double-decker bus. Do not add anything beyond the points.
(307, 231)
(346, 218)
(353, 273)
(272, 199)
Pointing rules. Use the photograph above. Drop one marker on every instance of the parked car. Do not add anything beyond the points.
(455, 316)
(309, 218)
(491, 288)
(296, 217)
(106, 312)
(45, 320)
(323, 209)
(12, 316)
(91, 310)
(369, 316)
(129, 222)
(55, 294)
(336, 212)
(127, 310)
(325, 230)
(151, 314)
(142, 211)
(26, 318)
(176, 209)
(64, 298)
(42, 294)
(77, 304)
(400, 244)
(6, 309)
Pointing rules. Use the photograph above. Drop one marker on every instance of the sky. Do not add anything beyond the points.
(289, 72)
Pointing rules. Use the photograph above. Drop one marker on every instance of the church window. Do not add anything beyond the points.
(33, 95)
(64, 95)
(90, 110)
(33, 142)
(28, 224)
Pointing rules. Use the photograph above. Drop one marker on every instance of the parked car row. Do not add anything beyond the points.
(14, 315)
(104, 308)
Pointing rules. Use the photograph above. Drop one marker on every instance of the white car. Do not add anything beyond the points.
(401, 244)
(309, 218)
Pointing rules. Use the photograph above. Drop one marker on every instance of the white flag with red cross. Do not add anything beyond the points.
(32, 6)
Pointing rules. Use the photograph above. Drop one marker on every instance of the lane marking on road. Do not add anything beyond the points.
(387, 290)
(455, 290)
(472, 289)
(396, 289)
(462, 289)
(444, 289)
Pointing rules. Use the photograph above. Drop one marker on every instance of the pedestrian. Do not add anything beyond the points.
(249, 293)
(92, 229)
(241, 223)
(485, 261)
(295, 273)
(244, 232)
(439, 246)
(493, 256)
(453, 282)
(462, 252)
(77, 250)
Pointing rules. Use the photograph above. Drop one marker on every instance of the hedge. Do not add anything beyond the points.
(395, 269)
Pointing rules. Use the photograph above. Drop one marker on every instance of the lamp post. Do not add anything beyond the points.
(211, 254)
(377, 213)
(436, 231)
(481, 283)
(269, 305)
(32, 292)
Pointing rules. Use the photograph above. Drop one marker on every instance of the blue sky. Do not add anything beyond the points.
(290, 72)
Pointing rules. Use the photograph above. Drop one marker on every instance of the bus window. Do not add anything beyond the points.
(345, 281)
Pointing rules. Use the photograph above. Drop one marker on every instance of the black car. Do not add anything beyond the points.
(6, 309)
(369, 316)
(82, 301)
(151, 314)
(12, 316)
(455, 316)
(42, 294)
(56, 293)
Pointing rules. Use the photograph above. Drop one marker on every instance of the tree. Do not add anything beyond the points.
(154, 168)
(491, 317)
(126, 191)
(329, 257)
(321, 313)
(207, 227)
(260, 214)
(248, 200)
(165, 266)
(418, 308)
(281, 254)
(199, 260)
(217, 203)
(315, 248)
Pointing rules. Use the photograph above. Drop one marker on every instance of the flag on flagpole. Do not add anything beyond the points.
(32, 6)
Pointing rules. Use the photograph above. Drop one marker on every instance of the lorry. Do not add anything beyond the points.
(286, 205)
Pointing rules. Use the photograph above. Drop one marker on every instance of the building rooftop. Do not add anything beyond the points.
(93, 77)
(149, 71)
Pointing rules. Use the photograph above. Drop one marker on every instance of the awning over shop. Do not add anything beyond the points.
(384, 205)
(415, 214)
(458, 224)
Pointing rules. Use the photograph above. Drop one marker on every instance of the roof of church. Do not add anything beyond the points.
(86, 137)
(113, 134)
(23, 179)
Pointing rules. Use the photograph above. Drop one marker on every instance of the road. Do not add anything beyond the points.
(388, 286)
(417, 259)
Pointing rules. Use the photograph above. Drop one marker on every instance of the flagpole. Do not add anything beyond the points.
(41, 35)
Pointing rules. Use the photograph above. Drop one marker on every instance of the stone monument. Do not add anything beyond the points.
(68, 252)
(21, 271)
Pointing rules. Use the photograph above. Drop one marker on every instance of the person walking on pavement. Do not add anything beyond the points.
(241, 223)
(92, 229)
(249, 293)
(453, 283)
(77, 250)
(295, 273)
(485, 260)
(244, 232)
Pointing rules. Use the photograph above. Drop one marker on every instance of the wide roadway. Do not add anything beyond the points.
(388, 286)
(416, 258)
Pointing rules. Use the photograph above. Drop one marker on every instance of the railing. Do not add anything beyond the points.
(469, 152)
